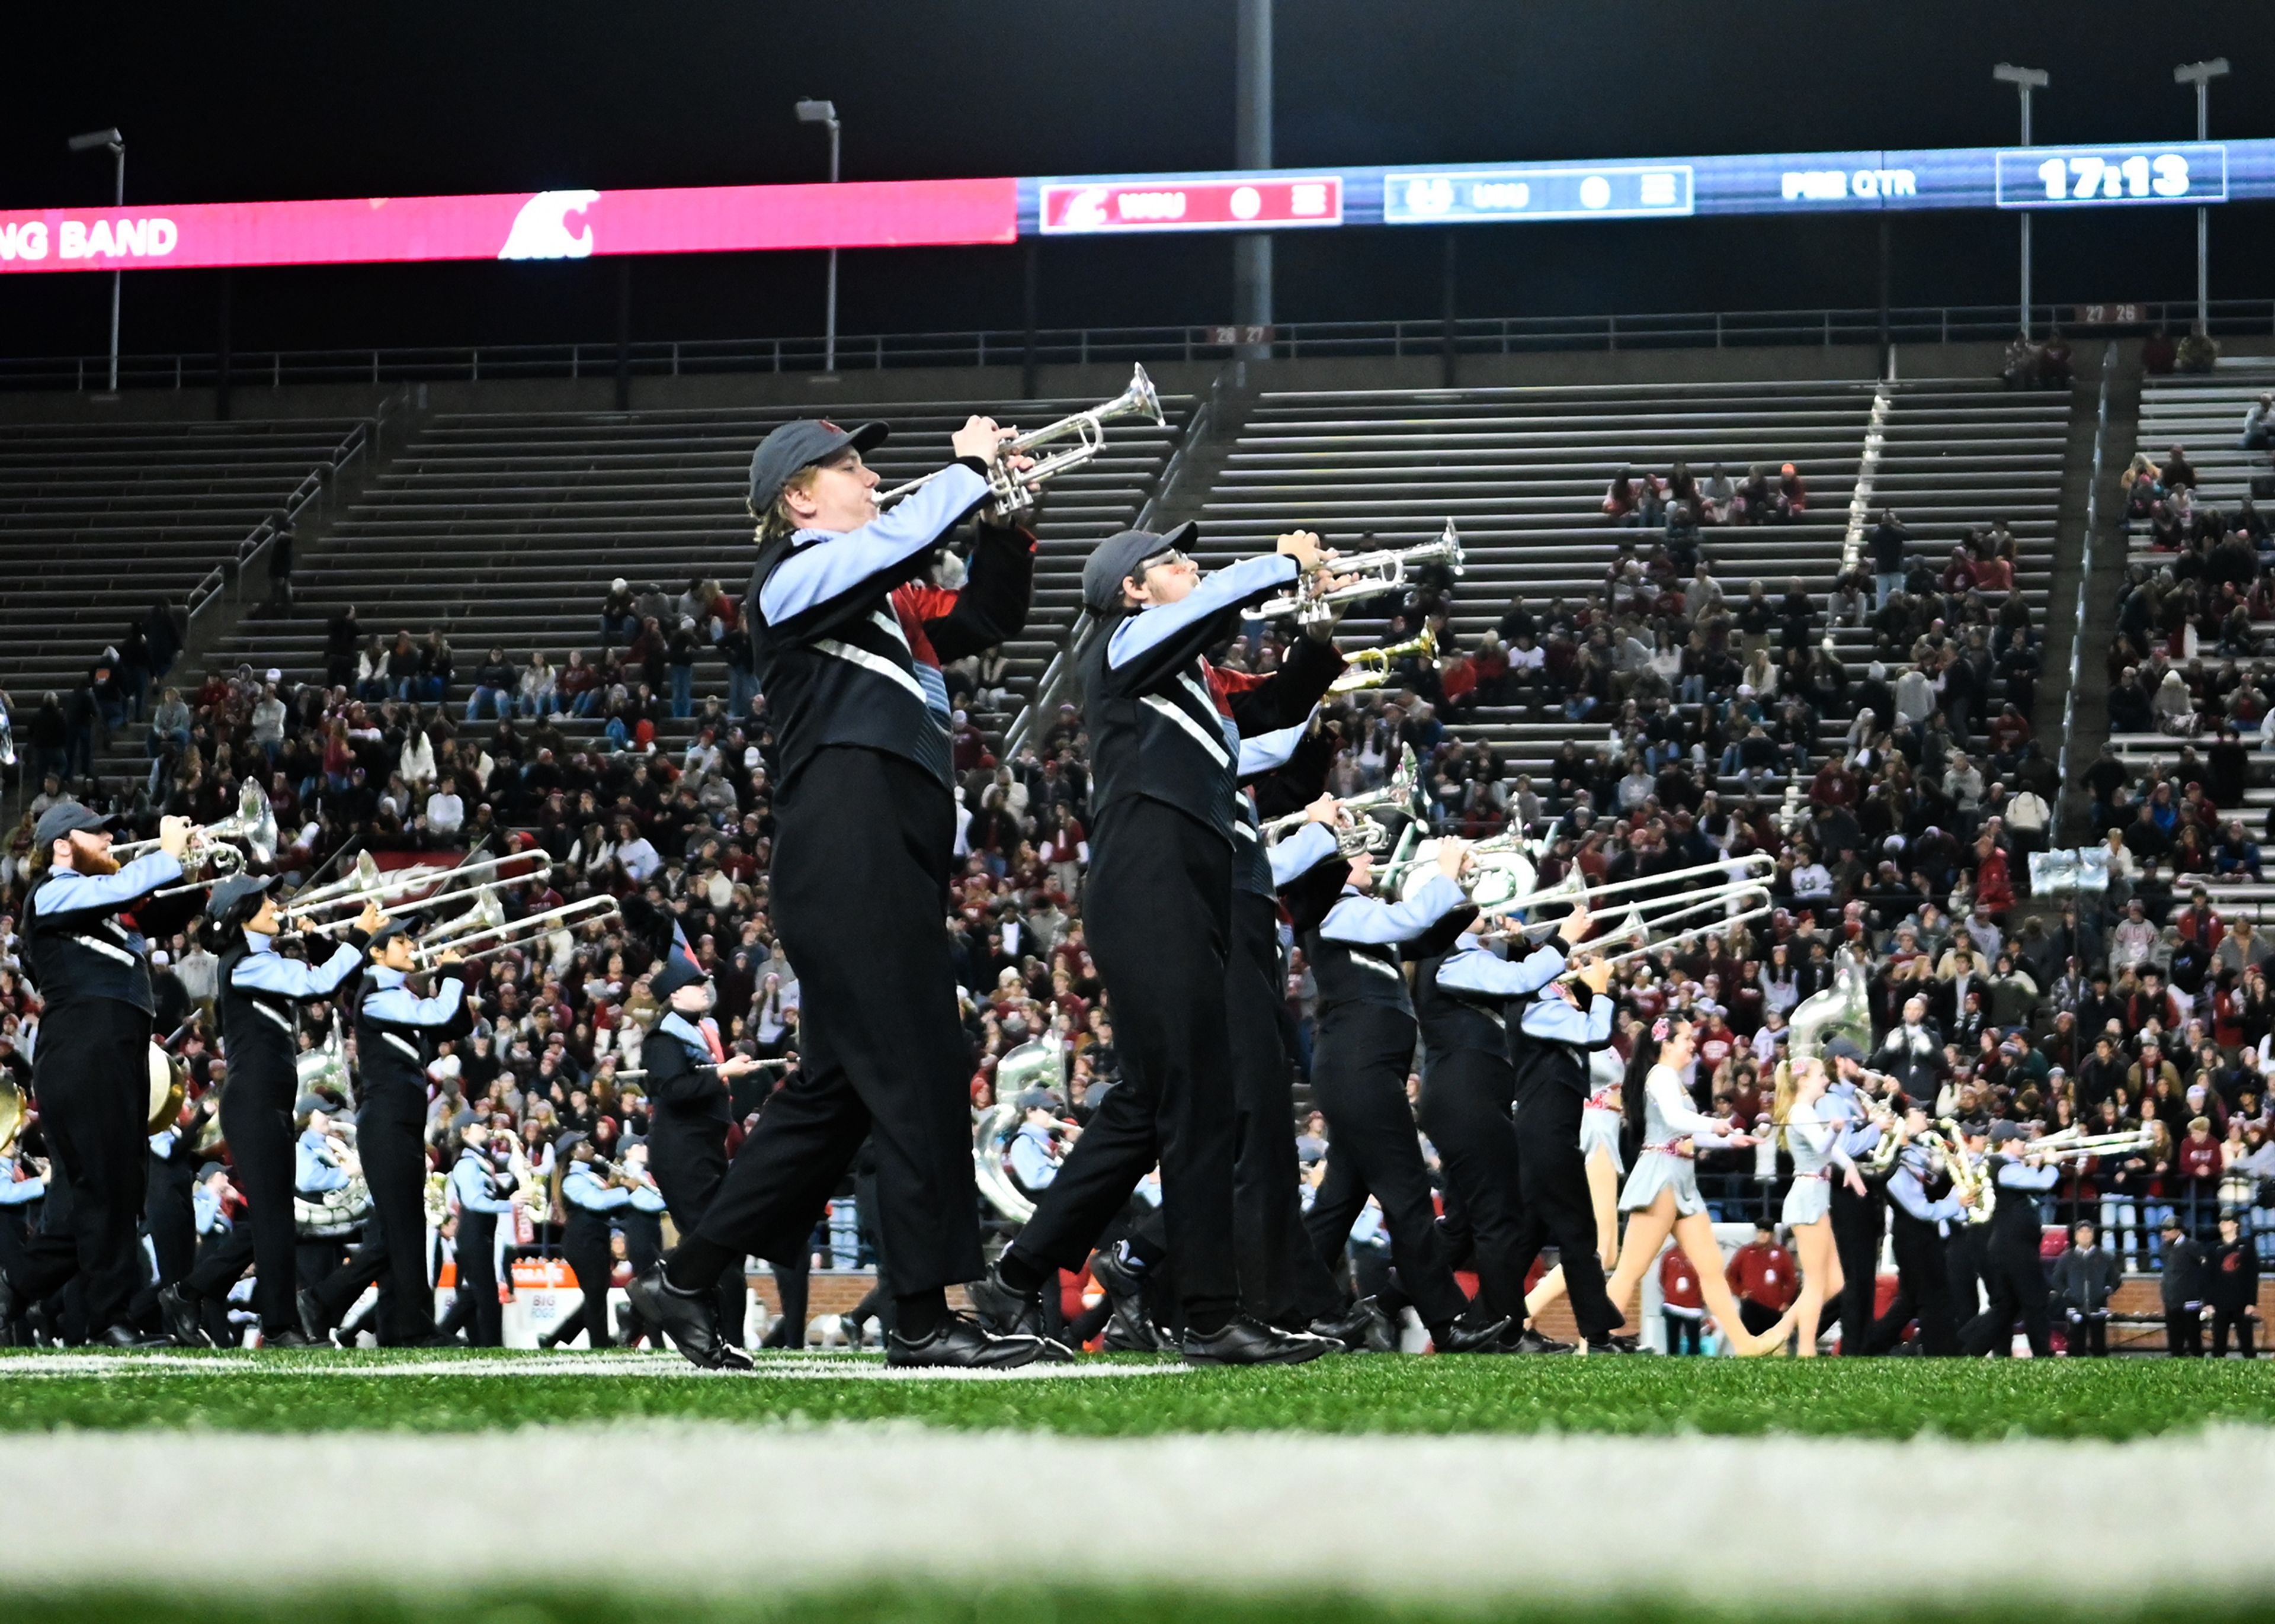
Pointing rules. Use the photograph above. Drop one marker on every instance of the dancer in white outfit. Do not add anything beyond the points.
(1662, 1193)
(1815, 1143)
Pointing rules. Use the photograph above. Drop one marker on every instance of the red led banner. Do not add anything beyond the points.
(545, 225)
(1182, 203)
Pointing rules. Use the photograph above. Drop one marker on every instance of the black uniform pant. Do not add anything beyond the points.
(256, 1115)
(91, 1078)
(687, 1157)
(861, 849)
(584, 1243)
(1358, 1077)
(1922, 1291)
(388, 1138)
(169, 1213)
(1858, 1223)
(1466, 1095)
(2088, 1331)
(478, 1281)
(1282, 1279)
(2016, 1282)
(1159, 921)
(1556, 1204)
(1963, 1253)
(2226, 1320)
(643, 1247)
(2184, 1332)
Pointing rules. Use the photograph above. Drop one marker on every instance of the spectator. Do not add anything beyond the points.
(2084, 1279)
(2182, 1285)
(2232, 1287)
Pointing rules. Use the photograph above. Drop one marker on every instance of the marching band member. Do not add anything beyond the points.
(261, 992)
(393, 1028)
(1860, 1215)
(1923, 1207)
(689, 1072)
(1164, 843)
(1661, 1194)
(1603, 1118)
(2012, 1271)
(474, 1191)
(1814, 1141)
(1359, 1056)
(642, 1219)
(1469, 1089)
(90, 1071)
(591, 1201)
(847, 647)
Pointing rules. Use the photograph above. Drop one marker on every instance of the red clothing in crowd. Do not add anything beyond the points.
(1762, 1272)
(1678, 1281)
(2199, 1157)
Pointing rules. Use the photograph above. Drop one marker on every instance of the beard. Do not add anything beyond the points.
(84, 862)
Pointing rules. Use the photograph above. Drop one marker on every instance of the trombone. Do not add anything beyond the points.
(438, 882)
(254, 822)
(1705, 928)
(513, 933)
(1013, 489)
(1402, 793)
(1381, 571)
(1369, 667)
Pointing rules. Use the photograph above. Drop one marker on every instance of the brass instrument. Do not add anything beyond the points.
(254, 822)
(1842, 1010)
(516, 932)
(1402, 793)
(1967, 1176)
(12, 1112)
(436, 885)
(365, 882)
(169, 1086)
(1383, 570)
(1013, 489)
(1661, 943)
(337, 1212)
(7, 737)
(1029, 1066)
(2071, 1145)
(1369, 667)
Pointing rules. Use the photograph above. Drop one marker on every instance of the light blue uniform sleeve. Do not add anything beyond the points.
(162, 1143)
(813, 575)
(1268, 753)
(1554, 1021)
(1367, 1228)
(472, 1188)
(1301, 852)
(1219, 590)
(1370, 921)
(2014, 1175)
(581, 1187)
(1031, 1163)
(273, 973)
(400, 1005)
(647, 1198)
(205, 1211)
(312, 1172)
(69, 892)
(1906, 1190)
(1476, 971)
(16, 1192)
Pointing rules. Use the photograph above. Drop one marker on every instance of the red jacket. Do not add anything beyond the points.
(1678, 1281)
(1762, 1272)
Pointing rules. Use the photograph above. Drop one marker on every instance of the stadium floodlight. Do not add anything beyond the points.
(825, 114)
(2201, 74)
(110, 141)
(2025, 80)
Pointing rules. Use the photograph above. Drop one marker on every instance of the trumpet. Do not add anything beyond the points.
(438, 882)
(1378, 572)
(254, 822)
(1369, 667)
(1013, 489)
(1402, 793)
(514, 933)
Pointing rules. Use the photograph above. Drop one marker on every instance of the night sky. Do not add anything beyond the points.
(404, 99)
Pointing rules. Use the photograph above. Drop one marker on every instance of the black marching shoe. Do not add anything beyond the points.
(689, 1318)
(1463, 1337)
(1531, 1341)
(185, 1326)
(1001, 1310)
(1363, 1327)
(130, 1336)
(313, 1323)
(291, 1336)
(961, 1342)
(1243, 1340)
(1141, 1335)
(1616, 1345)
(1125, 1288)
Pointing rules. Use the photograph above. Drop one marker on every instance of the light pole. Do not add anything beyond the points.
(825, 113)
(114, 143)
(2026, 81)
(2201, 74)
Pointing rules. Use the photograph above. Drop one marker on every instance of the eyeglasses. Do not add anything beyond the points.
(1169, 560)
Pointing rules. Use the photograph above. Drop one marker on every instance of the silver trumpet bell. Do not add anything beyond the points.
(1014, 489)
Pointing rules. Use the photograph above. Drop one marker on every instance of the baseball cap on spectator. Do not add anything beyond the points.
(800, 444)
(1117, 557)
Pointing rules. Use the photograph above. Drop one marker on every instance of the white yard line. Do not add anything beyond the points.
(743, 1510)
(783, 1367)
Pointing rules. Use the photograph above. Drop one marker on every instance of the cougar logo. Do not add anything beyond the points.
(540, 231)
(1087, 210)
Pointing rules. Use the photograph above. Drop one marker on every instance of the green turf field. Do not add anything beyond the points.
(2114, 1399)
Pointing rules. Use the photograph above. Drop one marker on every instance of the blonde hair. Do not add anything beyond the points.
(778, 521)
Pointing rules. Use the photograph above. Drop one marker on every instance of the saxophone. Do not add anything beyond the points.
(1967, 1176)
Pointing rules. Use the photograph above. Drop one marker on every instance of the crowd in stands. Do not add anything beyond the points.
(1899, 812)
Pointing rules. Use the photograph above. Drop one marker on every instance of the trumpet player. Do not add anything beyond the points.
(591, 1194)
(260, 995)
(1165, 844)
(848, 647)
(394, 1027)
(91, 1069)
(2012, 1273)
(480, 1202)
(1859, 1209)
(1923, 1204)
